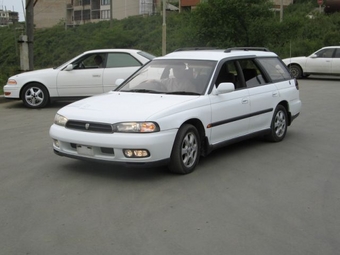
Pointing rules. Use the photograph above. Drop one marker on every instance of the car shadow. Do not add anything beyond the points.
(320, 77)
(117, 172)
(138, 174)
(18, 104)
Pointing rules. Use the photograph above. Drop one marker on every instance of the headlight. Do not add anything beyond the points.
(136, 127)
(60, 120)
(11, 82)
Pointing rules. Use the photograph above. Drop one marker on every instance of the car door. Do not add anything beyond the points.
(265, 95)
(230, 111)
(320, 61)
(336, 62)
(84, 79)
(119, 65)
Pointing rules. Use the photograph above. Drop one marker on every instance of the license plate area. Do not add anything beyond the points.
(85, 150)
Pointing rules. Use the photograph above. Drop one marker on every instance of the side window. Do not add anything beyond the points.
(121, 60)
(325, 53)
(276, 70)
(90, 61)
(337, 53)
(229, 72)
(252, 74)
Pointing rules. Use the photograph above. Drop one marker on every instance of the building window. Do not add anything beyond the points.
(105, 14)
(105, 2)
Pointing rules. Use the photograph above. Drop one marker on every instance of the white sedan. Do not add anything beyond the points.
(325, 61)
(93, 72)
(179, 107)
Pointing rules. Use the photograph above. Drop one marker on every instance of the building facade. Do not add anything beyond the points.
(8, 17)
(48, 13)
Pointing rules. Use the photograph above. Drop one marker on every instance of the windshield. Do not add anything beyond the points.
(188, 77)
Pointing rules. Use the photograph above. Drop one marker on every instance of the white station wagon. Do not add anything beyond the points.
(179, 107)
(92, 72)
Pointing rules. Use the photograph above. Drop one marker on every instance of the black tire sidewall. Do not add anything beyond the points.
(42, 88)
(273, 137)
(298, 71)
(176, 164)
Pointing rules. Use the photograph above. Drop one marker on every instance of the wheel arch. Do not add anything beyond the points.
(200, 128)
(294, 64)
(298, 65)
(30, 83)
(286, 106)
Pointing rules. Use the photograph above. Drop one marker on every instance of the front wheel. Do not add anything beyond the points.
(279, 125)
(296, 71)
(186, 150)
(35, 96)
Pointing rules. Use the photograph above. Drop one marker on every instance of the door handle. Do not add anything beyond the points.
(244, 101)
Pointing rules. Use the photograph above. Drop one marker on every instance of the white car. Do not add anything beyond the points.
(179, 107)
(93, 72)
(325, 61)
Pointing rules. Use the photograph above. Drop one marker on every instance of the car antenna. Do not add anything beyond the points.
(290, 56)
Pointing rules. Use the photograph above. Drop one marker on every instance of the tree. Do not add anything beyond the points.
(228, 23)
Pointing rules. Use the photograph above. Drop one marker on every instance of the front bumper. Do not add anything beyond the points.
(109, 147)
(12, 91)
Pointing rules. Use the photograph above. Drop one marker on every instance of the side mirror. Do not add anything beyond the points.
(225, 87)
(69, 67)
(313, 56)
(119, 81)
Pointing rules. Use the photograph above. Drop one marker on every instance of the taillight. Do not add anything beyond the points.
(296, 84)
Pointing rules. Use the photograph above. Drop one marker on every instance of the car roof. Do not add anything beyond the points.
(216, 54)
(327, 47)
(111, 50)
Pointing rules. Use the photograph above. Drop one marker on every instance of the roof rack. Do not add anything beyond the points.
(196, 48)
(247, 49)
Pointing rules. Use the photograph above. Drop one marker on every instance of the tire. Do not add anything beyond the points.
(295, 71)
(35, 96)
(186, 150)
(279, 125)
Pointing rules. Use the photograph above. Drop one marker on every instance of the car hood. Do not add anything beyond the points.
(35, 73)
(118, 106)
(287, 61)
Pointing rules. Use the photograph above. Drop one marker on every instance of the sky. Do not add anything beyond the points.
(15, 5)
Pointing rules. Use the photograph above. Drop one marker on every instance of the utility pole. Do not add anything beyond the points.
(111, 13)
(281, 10)
(30, 30)
(164, 30)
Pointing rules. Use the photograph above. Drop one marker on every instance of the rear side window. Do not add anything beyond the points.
(251, 73)
(121, 60)
(275, 69)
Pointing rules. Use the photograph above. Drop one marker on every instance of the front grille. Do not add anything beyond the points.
(89, 126)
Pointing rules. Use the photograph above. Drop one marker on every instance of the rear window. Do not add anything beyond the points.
(275, 69)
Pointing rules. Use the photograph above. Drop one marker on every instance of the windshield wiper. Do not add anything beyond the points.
(142, 91)
(182, 93)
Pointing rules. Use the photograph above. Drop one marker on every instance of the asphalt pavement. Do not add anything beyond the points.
(250, 198)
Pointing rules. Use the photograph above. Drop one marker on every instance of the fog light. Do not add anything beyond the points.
(136, 153)
(56, 143)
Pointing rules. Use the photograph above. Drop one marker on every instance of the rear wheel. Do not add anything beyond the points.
(186, 150)
(35, 96)
(295, 71)
(278, 125)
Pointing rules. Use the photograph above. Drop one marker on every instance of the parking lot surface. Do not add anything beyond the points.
(253, 197)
